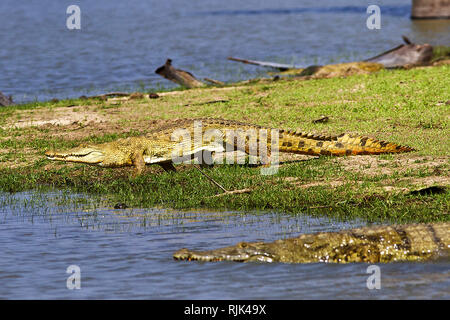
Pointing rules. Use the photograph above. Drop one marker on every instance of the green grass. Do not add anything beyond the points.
(441, 52)
(189, 189)
(403, 106)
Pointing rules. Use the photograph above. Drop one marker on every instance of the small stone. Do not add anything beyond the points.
(120, 205)
(153, 95)
(322, 119)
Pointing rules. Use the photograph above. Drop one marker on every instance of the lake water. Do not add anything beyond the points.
(124, 254)
(128, 253)
(121, 43)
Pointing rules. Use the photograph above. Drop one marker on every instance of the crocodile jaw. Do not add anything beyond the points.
(82, 155)
(240, 253)
(207, 256)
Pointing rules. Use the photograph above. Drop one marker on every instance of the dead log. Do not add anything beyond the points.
(105, 96)
(181, 77)
(5, 100)
(322, 119)
(279, 66)
(216, 82)
(404, 55)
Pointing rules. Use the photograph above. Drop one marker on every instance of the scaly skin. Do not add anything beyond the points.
(370, 244)
(157, 146)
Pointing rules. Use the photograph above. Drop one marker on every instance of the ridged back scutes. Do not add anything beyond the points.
(188, 123)
(351, 142)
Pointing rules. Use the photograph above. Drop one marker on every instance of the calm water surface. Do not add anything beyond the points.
(121, 43)
(127, 254)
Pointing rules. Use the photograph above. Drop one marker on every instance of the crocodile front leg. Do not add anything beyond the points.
(138, 162)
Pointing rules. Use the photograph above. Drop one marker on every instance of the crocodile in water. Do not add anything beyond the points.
(415, 242)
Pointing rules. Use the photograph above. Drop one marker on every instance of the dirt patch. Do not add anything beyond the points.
(415, 183)
(25, 157)
(300, 184)
(112, 115)
(57, 117)
(211, 91)
(389, 185)
(373, 166)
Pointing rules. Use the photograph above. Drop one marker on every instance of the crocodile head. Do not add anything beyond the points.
(242, 252)
(105, 155)
(84, 154)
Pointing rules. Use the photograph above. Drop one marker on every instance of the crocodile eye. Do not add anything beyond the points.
(243, 244)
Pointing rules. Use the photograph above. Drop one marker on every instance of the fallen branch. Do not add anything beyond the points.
(216, 82)
(210, 179)
(207, 102)
(5, 101)
(240, 191)
(279, 66)
(105, 96)
(181, 77)
(110, 94)
(322, 119)
(225, 191)
(404, 55)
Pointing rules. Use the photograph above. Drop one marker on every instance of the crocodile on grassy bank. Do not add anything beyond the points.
(158, 146)
(378, 244)
(383, 244)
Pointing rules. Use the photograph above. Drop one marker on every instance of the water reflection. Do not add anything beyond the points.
(428, 28)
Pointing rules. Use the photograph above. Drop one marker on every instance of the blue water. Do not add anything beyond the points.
(125, 254)
(121, 43)
(128, 253)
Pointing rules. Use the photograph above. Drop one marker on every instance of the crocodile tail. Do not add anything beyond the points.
(342, 145)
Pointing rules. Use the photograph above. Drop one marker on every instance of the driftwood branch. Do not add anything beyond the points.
(211, 179)
(108, 95)
(279, 66)
(206, 102)
(111, 94)
(239, 191)
(225, 191)
(408, 54)
(322, 119)
(5, 100)
(216, 82)
(181, 77)
(406, 40)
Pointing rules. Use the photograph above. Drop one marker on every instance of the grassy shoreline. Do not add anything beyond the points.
(408, 107)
